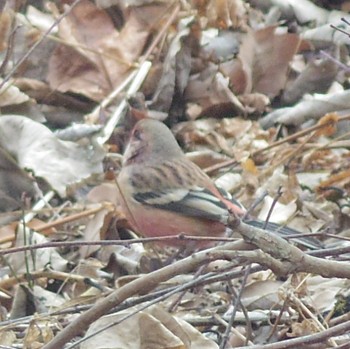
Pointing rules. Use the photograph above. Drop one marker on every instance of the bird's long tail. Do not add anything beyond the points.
(283, 231)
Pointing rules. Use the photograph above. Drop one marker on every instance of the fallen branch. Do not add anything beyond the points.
(284, 258)
(276, 253)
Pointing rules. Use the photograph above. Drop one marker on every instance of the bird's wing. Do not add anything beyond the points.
(202, 203)
(194, 202)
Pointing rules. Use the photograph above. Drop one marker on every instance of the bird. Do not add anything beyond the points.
(163, 193)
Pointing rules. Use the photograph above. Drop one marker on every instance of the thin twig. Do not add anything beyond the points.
(71, 218)
(118, 112)
(299, 342)
(181, 288)
(130, 302)
(54, 244)
(294, 136)
(335, 61)
(340, 30)
(295, 153)
(256, 202)
(58, 275)
(275, 200)
(237, 301)
(136, 79)
(161, 32)
(174, 304)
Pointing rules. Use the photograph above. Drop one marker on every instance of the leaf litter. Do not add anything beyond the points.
(255, 93)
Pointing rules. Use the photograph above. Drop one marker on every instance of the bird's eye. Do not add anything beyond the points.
(137, 134)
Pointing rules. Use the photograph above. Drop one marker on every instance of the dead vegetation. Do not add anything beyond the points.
(256, 93)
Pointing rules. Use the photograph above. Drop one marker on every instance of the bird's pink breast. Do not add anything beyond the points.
(152, 222)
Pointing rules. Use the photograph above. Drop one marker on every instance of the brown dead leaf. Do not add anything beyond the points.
(176, 69)
(206, 158)
(323, 292)
(71, 71)
(262, 63)
(331, 120)
(196, 133)
(96, 58)
(96, 230)
(5, 27)
(30, 300)
(317, 77)
(249, 166)
(15, 183)
(226, 14)
(298, 284)
(319, 158)
(151, 328)
(303, 328)
(38, 223)
(153, 334)
(210, 89)
(340, 179)
(38, 333)
(273, 52)
(235, 127)
(7, 233)
(240, 69)
(254, 102)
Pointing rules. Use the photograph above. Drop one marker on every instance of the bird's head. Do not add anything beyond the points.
(152, 142)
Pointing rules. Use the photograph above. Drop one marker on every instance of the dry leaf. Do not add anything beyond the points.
(35, 147)
(147, 329)
(262, 295)
(5, 28)
(331, 120)
(249, 166)
(15, 184)
(38, 333)
(96, 229)
(273, 53)
(10, 95)
(96, 58)
(309, 108)
(280, 213)
(7, 338)
(317, 77)
(22, 262)
(226, 14)
(340, 179)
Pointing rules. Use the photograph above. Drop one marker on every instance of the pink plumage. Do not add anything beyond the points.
(163, 193)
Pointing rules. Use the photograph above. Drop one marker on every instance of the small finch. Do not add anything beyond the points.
(163, 193)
